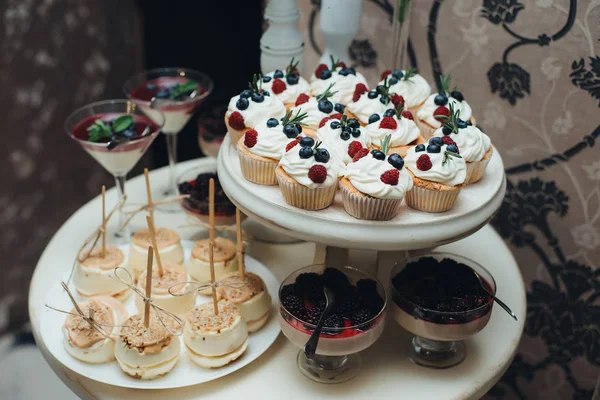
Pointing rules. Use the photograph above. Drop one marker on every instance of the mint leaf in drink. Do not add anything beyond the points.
(98, 131)
(122, 123)
(183, 89)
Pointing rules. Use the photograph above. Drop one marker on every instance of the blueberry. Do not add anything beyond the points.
(129, 133)
(322, 155)
(325, 106)
(339, 108)
(378, 155)
(264, 92)
(335, 124)
(436, 140)
(373, 94)
(384, 99)
(452, 148)
(446, 130)
(419, 147)
(343, 72)
(290, 131)
(242, 103)
(272, 122)
(299, 127)
(307, 141)
(389, 112)
(469, 122)
(440, 99)
(258, 97)
(292, 79)
(306, 152)
(353, 123)
(355, 132)
(393, 81)
(267, 79)
(345, 135)
(461, 124)
(151, 86)
(326, 74)
(398, 74)
(457, 95)
(396, 161)
(351, 71)
(434, 148)
(374, 118)
(162, 94)
(278, 73)
(246, 93)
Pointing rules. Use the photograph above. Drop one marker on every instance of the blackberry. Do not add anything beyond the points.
(314, 314)
(348, 306)
(288, 290)
(361, 316)
(185, 188)
(335, 279)
(294, 305)
(311, 285)
(334, 321)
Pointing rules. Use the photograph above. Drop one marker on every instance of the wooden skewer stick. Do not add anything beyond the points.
(150, 221)
(240, 245)
(149, 195)
(148, 287)
(211, 240)
(91, 313)
(103, 254)
(212, 277)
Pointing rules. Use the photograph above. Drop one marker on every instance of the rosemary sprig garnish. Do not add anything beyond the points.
(448, 154)
(398, 110)
(327, 93)
(409, 73)
(317, 144)
(334, 62)
(452, 121)
(256, 84)
(292, 68)
(445, 83)
(296, 119)
(385, 144)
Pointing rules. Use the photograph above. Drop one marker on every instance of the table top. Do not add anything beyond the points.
(387, 372)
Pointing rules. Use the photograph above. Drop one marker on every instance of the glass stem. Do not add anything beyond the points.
(172, 153)
(401, 30)
(327, 362)
(433, 345)
(120, 184)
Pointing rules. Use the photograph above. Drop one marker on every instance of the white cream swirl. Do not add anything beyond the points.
(425, 113)
(472, 142)
(291, 92)
(256, 113)
(453, 172)
(415, 90)
(365, 175)
(365, 107)
(314, 115)
(344, 86)
(270, 142)
(405, 133)
(333, 141)
(297, 168)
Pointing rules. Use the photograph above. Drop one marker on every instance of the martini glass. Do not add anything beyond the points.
(152, 90)
(122, 158)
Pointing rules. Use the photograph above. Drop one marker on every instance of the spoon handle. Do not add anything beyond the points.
(506, 308)
(310, 348)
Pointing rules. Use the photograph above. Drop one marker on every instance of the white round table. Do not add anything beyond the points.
(387, 372)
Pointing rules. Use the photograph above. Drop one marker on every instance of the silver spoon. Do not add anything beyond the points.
(311, 346)
(497, 300)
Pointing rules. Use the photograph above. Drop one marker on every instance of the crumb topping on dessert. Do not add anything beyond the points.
(80, 332)
(224, 249)
(146, 340)
(113, 257)
(164, 238)
(236, 293)
(203, 319)
(173, 273)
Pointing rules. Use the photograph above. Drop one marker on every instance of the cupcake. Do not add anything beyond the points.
(343, 138)
(475, 146)
(251, 107)
(286, 85)
(408, 84)
(345, 80)
(398, 125)
(308, 176)
(365, 103)
(261, 148)
(439, 172)
(318, 108)
(431, 114)
(374, 185)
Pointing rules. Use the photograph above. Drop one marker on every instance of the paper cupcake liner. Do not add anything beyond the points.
(300, 196)
(426, 130)
(371, 208)
(234, 135)
(476, 169)
(430, 200)
(257, 171)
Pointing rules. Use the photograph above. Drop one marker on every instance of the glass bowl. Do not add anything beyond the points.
(211, 130)
(439, 332)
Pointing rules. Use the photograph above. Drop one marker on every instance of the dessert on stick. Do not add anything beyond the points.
(345, 80)
(366, 103)
(397, 123)
(318, 107)
(408, 84)
(286, 85)
(343, 138)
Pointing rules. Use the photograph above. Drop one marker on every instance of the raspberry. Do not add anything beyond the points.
(360, 154)
(441, 111)
(408, 115)
(388, 123)
(236, 121)
(291, 144)
(448, 140)
(337, 116)
(424, 162)
(385, 73)
(320, 68)
(341, 64)
(354, 148)
(358, 91)
(397, 99)
(390, 177)
(302, 98)
(317, 173)
(250, 138)
(278, 86)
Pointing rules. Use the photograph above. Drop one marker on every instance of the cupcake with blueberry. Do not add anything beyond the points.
(286, 85)
(436, 108)
(343, 138)
(261, 148)
(308, 175)
(375, 183)
(318, 107)
(251, 107)
(439, 172)
(408, 84)
(366, 103)
(345, 80)
(475, 146)
(399, 125)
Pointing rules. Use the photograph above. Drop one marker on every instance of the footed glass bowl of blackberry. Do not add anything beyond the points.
(355, 322)
(439, 299)
(194, 182)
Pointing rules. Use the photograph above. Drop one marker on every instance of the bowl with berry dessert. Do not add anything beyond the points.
(352, 324)
(442, 299)
(211, 130)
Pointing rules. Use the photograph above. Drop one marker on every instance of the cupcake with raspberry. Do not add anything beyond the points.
(318, 107)
(308, 175)
(261, 148)
(475, 146)
(375, 183)
(345, 80)
(343, 138)
(251, 107)
(408, 84)
(432, 113)
(286, 85)
(399, 125)
(366, 103)
(439, 172)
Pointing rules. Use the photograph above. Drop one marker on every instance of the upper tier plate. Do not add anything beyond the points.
(409, 230)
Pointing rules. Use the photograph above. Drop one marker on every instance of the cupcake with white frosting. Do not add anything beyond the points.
(365, 103)
(374, 185)
(261, 148)
(286, 85)
(345, 80)
(439, 173)
(408, 84)
(399, 125)
(343, 138)
(319, 107)
(475, 146)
